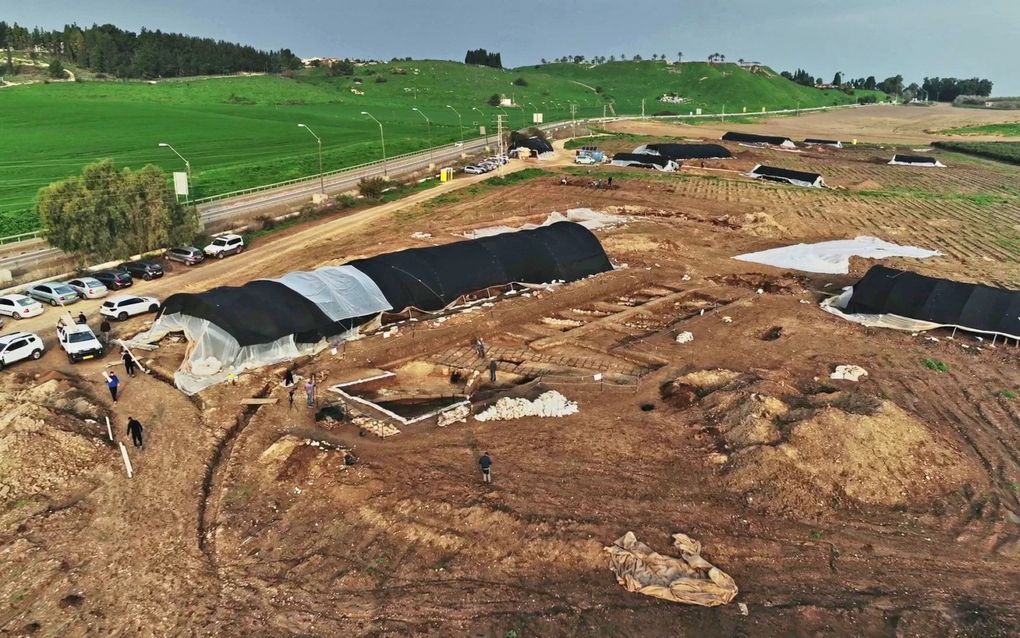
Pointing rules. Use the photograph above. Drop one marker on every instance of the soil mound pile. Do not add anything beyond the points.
(44, 437)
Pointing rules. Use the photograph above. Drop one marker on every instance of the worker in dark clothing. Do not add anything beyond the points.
(480, 347)
(610, 181)
(486, 464)
(81, 319)
(288, 378)
(112, 382)
(134, 428)
(104, 332)
(492, 371)
(129, 362)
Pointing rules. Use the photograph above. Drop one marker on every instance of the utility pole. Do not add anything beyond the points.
(573, 120)
(322, 179)
(382, 137)
(460, 122)
(428, 123)
(485, 121)
(642, 108)
(500, 145)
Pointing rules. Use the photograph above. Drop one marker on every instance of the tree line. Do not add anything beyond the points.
(484, 58)
(934, 89)
(148, 54)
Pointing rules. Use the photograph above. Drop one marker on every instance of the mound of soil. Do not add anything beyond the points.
(866, 185)
(762, 225)
(43, 440)
(686, 390)
(885, 458)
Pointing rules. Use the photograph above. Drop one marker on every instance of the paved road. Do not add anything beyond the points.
(301, 192)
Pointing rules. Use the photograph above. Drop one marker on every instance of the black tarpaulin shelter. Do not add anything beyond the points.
(536, 144)
(915, 160)
(644, 160)
(751, 138)
(785, 175)
(814, 141)
(973, 307)
(690, 151)
(432, 278)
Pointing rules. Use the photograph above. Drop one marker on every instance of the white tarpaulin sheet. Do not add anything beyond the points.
(341, 292)
(833, 257)
(590, 219)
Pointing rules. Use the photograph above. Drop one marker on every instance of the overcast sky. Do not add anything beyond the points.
(859, 37)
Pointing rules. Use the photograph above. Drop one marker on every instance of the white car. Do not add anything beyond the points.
(126, 306)
(18, 346)
(20, 306)
(224, 245)
(584, 159)
(78, 341)
(89, 287)
(474, 170)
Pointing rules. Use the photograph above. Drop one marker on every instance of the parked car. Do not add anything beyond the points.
(88, 287)
(55, 293)
(18, 346)
(125, 306)
(144, 268)
(19, 306)
(224, 245)
(474, 170)
(114, 279)
(188, 255)
(79, 342)
(584, 159)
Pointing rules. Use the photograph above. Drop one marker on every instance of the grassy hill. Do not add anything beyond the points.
(242, 131)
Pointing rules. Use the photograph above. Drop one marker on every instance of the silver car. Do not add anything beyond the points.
(54, 293)
(88, 287)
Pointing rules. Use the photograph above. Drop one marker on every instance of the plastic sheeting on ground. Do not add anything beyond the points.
(689, 579)
(590, 219)
(833, 257)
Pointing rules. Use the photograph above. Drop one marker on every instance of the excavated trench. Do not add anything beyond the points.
(208, 508)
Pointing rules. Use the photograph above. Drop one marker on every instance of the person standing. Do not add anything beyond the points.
(104, 332)
(480, 348)
(486, 464)
(610, 182)
(288, 378)
(82, 320)
(310, 392)
(129, 362)
(134, 428)
(112, 382)
(492, 371)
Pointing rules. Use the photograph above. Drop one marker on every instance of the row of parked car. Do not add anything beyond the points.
(487, 165)
(77, 339)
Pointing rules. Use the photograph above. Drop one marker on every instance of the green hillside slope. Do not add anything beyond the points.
(242, 131)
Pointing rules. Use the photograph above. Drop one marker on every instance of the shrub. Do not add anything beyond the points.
(372, 187)
(381, 79)
(520, 82)
(936, 365)
(266, 222)
(1007, 394)
(345, 201)
(598, 89)
(495, 99)
(867, 99)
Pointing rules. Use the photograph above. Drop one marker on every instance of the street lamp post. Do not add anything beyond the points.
(428, 123)
(382, 138)
(534, 110)
(460, 122)
(318, 140)
(187, 164)
(485, 121)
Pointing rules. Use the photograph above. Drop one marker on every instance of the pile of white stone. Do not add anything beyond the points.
(548, 404)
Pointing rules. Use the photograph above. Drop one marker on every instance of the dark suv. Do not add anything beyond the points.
(188, 255)
(145, 269)
(113, 279)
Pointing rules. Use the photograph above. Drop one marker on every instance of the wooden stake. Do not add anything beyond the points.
(127, 461)
(109, 430)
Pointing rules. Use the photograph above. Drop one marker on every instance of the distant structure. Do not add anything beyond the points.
(786, 176)
(750, 138)
(916, 160)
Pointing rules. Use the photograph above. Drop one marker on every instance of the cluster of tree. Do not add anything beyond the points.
(601, 59)
(948, 89)
(147, 54)
(108, 213)
(800, 76)
(484, 58)
(342, 67)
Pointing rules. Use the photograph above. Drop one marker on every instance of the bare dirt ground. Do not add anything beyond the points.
(888, 123)
(886, 507)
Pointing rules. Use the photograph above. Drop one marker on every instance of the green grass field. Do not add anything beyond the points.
(1008, 129)
(242, 132)
(1008, 152)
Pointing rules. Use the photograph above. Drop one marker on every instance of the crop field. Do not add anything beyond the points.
(1001, 151)
(242, 132)
(1008, 129)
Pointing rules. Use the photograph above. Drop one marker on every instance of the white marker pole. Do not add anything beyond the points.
(109, 430)
(127, 461)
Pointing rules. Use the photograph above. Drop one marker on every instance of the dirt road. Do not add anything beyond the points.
(898, 124)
